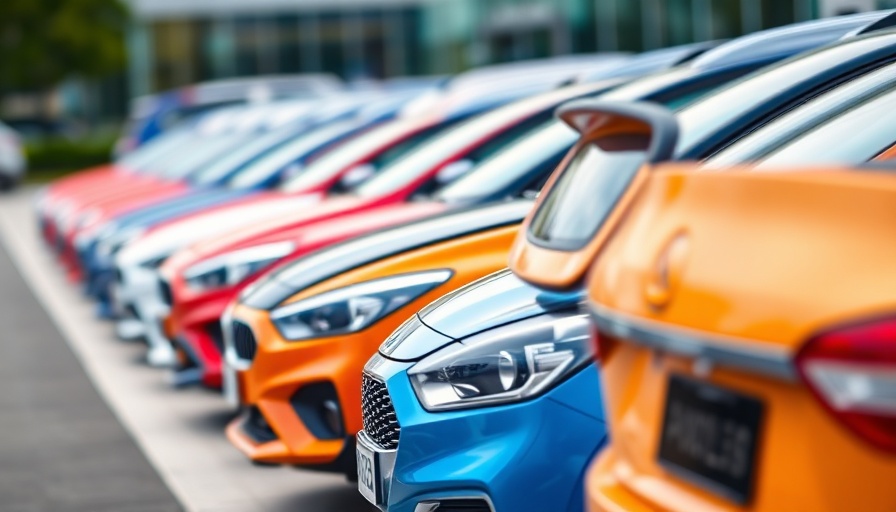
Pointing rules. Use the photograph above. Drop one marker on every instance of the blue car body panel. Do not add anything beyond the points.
(528, 455)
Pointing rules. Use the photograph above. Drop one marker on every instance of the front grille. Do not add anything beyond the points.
(165, 292)
(244, 341)
(380, 421)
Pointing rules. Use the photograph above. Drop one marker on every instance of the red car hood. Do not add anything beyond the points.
(309, 237)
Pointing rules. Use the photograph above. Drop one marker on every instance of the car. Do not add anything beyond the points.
(197, 299)
(154, 115)
(744, 332)
(13, 162)
(247, 175)
(301, 380)
(197, 180)
(152, 174)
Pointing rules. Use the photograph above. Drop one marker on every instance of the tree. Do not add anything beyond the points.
(44, 41)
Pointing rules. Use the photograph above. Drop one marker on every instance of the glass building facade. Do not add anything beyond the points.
(174, 43)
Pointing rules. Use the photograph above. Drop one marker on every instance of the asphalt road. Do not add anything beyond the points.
(87, 427)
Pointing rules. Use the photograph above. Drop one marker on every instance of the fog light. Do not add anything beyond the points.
(332, 415)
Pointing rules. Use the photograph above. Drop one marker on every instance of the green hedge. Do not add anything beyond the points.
(59, 155)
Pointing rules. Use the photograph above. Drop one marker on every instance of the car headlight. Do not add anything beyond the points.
(354, 307)
(232, 268)
(504, 365)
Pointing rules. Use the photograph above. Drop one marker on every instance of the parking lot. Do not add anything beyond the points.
(90, 427)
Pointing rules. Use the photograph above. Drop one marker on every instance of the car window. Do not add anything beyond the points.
(293, 152)
(142, 158)
(712, 112)
(477, 139)
(541, 145)
(192, 158)
(401, 135)
(837, 142)
(587, 192)
(240, 157)
(831, 108)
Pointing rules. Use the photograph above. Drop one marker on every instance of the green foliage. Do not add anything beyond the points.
(61, 154)
(44, 41)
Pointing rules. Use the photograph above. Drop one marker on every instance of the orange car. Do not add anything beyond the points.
(296, 342)
(748, 344)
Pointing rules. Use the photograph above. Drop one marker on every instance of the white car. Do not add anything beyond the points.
(12, 158)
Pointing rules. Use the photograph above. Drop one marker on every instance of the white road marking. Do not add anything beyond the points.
(180, 432)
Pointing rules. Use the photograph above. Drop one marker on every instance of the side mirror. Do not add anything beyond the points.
(453, 171)
(357, 175)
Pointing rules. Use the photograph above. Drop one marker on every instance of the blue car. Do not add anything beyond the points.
(487, 400)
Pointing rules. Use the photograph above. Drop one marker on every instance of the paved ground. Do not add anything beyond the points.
(128, 442)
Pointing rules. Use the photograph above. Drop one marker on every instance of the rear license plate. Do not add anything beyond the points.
(368, 474)
(710, 436)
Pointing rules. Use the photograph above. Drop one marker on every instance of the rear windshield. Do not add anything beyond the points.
(587, 192)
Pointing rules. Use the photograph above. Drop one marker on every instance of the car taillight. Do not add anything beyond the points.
(852, 370)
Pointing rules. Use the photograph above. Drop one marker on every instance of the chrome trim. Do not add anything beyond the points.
(435, 500)
(386, 459)
(718, 349)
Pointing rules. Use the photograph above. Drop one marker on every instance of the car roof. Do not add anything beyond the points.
(778, 43)
(652, 61)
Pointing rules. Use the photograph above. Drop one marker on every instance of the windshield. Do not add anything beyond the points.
(473, 141)
(541, 148)
(293, 152)
(587, 192)
(187, 160)
(706, 116)
(143, 158)
(241, 156)
(332, 163)
(789, 138)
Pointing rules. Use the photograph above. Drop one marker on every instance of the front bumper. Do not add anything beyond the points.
(138, 291)
(525, 456)
(196, 324)
(290, 384)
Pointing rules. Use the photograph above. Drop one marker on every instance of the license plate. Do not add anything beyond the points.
(368, 474)
(709, 436)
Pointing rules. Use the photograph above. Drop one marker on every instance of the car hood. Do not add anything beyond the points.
(180, 233)
(292, 219)
(490, 302)
(287, 280)
(499, 299)
(319, 234)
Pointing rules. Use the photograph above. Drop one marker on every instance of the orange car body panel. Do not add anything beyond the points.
(281, 367)
(760, 261)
